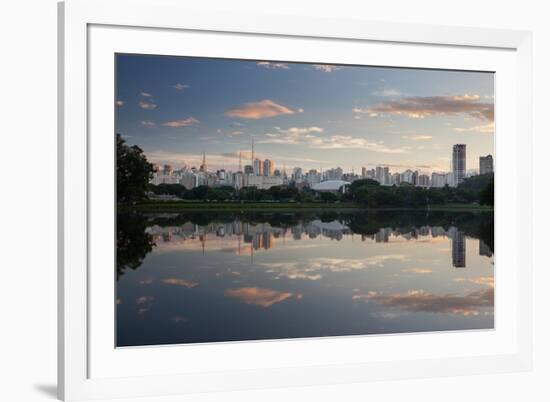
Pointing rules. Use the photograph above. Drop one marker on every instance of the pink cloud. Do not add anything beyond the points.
(260, 110)
(419, 107)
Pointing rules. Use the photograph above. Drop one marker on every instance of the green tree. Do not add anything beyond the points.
(487, 195)
(133, 172)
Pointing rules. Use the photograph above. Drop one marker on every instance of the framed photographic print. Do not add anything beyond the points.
(258, 201)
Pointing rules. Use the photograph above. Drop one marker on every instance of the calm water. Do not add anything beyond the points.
(209, 277)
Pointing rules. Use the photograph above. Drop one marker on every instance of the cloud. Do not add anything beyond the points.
(258, 296)
(417, 137)
(419, 107)
(144, 300)
(326, 68)
(484, 128)
(417, 270)
(481, 280)
(292, 135)
(180, 282)
(180, 87)
(349, 142)
(119, 103)
(147, 105)
(309, 136)
(181, 123)
(421, 301)
(387, 93)
(148, 123)
(260, 110)
(273, 66)
(145, 94)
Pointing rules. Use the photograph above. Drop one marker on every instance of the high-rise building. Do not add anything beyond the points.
(268, 167)
(486, 164)
(257, 167)
(423, 180)
(363, 172)
(459, 163)
(203, 164)
(439, 179)
(248, 169)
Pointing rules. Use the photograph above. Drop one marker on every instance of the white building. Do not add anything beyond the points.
(331, 186)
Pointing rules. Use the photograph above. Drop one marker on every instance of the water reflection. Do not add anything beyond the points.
(207, 277)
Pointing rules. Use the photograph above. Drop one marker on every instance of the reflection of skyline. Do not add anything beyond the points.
(250, 237)
(233, 276)
(458, 239)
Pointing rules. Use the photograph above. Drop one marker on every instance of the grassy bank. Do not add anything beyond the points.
(180, 206)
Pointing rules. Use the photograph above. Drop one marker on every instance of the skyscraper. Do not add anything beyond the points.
(268, 167)
(459, 163)
(257, 167)
(486, 164)
(203, 164)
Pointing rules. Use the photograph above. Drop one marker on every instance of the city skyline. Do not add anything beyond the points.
(302, 115)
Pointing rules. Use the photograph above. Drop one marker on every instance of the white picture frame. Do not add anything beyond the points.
(87, 368)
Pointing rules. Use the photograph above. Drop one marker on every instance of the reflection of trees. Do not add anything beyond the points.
(133, 243)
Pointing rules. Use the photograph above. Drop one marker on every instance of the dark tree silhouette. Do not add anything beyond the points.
(133, 242)
(133, 172)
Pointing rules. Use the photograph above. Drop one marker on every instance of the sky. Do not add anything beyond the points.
(313, 116)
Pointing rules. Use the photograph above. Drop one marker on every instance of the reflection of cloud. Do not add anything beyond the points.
(480, 280)
(180, 87)
(146, 94)
(387, 93)
(180, 282)
(179, 319)
(258, 296)
(316, 268)
(119, 103)
(417, 137)
(260, 110)
(148, 123)
(417, 270)
(147, 105)
(419, 107)
(421, 301)
(484, 128)
(146, 282)
(144, 299)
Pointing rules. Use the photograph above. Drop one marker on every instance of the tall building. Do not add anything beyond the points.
(486, 164)
(268, 167)
(459, 163)
(423, 180)
(439, 179)
(383, 175)
(257, 167)
(203, 164)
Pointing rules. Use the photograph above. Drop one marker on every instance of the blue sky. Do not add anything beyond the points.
(308, 115)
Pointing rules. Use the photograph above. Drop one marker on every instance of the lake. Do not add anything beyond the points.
(203, 276)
